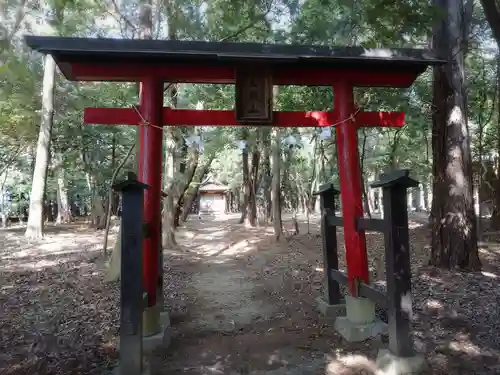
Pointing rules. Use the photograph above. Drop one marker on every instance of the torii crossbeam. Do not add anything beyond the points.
(193, 117)
(153, 62)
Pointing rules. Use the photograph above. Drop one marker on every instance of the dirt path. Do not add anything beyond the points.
(240, 304)
(250, 308)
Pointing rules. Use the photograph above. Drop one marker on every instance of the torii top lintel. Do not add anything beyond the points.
(95, 59)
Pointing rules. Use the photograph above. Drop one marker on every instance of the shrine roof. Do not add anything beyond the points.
(68, 51)
(211, 187)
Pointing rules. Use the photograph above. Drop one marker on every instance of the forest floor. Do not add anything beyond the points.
(240, 304)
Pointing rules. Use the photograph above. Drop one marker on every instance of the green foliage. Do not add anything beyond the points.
(87, 150)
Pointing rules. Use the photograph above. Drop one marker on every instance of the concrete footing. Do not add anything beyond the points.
(330, 311)
(151, 321)
(360, 322)
(150, 343)
(390, 364)
(160, 339)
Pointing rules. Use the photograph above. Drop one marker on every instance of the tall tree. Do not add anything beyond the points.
(454, 237)
(54, 14)
(276, 183)
(172, 161)
(491, 10)
(35, 218)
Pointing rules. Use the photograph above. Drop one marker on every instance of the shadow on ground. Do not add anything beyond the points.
(240, 304)
(251, 311)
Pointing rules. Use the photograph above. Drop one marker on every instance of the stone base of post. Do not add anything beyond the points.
(330, 311)
(149, 343)
(390, 364)
(151, 321)
(360, 322)
(161, 338)
(158, 333)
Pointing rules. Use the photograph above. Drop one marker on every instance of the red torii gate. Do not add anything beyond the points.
(153, 62)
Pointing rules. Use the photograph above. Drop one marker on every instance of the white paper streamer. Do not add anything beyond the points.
(292, 141)
(195, 141)
(326, 133)
(241, 144)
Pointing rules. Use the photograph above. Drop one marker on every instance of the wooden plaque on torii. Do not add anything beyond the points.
(254, 95)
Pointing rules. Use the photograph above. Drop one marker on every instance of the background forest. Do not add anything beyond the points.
(242, 298)
(47, 155)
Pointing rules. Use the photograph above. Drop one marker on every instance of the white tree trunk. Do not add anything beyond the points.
(420, 201)
(63, 208)
(410, 200)
(370, 193)
(168, 237)
(380, 203)
(35, 219)
(3, 209)
(429, 193)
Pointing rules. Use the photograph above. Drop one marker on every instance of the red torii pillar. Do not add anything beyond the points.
(345, 117)
(350, 186)
(150, 172)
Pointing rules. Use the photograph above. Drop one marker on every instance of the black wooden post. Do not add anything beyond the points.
(397, 260)
(328, 195)
(131, 292)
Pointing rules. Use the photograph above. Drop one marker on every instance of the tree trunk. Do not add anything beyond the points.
(266, 175)
(169, 206)
(454, 240)
(111, 195)
(3, 210)
(492, 12)
(188, 176)
(311, 197)
(63, 206)
(495, 217)
(246, 185)
(366, 202)
(286, 191)
(420, 205)
(380, 203)
(172, 162)
(145, 32)
(98, 213)
(192, 192)
(409, 199)
(252, 201)
(276, 183)
(322, 167)
(35, 218)
(426, 194)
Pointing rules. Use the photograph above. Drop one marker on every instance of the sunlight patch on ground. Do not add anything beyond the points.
(465, 346)
(240, 247)
(489, 274)
(37, 266)
(186, 234)
(276, 358)
(350, 364)
(434, 304)
(414, 225)
(217, 234)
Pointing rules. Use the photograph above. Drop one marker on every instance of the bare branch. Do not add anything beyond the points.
(124, 18)
(250, 25)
